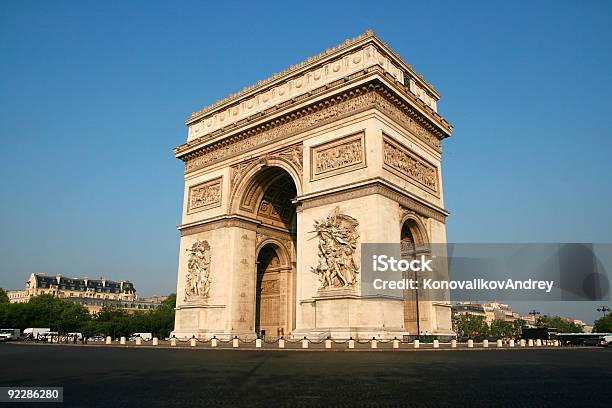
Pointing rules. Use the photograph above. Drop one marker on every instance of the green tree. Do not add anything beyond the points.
(3, 296)
(470, 326)
(603, 324)
(501, 329)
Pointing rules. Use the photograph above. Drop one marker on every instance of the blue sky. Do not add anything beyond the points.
(94, 95)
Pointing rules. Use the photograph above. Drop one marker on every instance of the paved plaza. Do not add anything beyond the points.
(111, 376)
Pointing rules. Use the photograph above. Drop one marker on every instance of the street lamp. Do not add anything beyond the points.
(534, 313)
(603, 310)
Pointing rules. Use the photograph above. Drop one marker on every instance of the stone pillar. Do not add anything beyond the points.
(235, 342)
(138, 341)
(499, 343)
(453, 343)
(416, 344)
(436, 344)
(122, 340)
(155, 341)
(192, 342)
(258, 343)
(214, 342)
(511, 343)
(328, 344)
(304, 343)
(538, 342)
(173, 342)
(281, 343)
(351, 344)
(109, 340)
(485, 343)
(470, 343)
(396, 344)
(522, 342)
(530, 343)
(374, 343)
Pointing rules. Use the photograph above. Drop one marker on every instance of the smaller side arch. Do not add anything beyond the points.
(412, 223)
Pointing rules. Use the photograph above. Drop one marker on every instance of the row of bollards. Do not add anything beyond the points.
(214, 342)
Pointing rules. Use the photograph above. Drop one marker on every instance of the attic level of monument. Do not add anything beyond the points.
(295, 71)
(339, 71)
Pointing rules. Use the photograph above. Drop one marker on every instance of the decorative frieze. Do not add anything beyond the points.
(197, 286)
(339, 156)
(305, 119)
(337, 265)
(405, 163)
(205, 195)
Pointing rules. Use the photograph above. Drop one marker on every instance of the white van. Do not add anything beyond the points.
(9, 334)
(143, 336)
(34, 332)
(606, 341)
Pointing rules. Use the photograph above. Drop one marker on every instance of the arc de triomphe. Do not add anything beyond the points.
(286, 179)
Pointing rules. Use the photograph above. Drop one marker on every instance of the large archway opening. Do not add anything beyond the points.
(269, 197)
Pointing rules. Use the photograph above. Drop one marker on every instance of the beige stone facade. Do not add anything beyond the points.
(285, 180)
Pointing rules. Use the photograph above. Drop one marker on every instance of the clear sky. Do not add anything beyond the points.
(93, 96)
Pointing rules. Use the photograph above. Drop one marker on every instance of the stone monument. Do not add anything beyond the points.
(286, 179)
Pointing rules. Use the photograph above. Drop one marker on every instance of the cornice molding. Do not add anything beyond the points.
(374, 186)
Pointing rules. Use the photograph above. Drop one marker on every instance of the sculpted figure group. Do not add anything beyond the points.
(198, 274)
(338, 237)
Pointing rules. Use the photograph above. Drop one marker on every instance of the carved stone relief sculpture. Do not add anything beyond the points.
(198, 272)
(338, 236)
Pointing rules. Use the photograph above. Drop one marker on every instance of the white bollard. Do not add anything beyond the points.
(522, 343)
(530, 343)
(192, 342)
(436, 344)
(281, 343)
(109, 340)
(470, 343)
(511, 343)
(304, 343)
(416, 344)
(374, 344)
(500, 343)
(214, 342)
(396, 344)
(485, 344)
(328, 344)
(138, 341)
(351, 344)
(258, 343)
(538, 342)
(453, 343)
(155, 341)
(235, 342)
(121, 340)
(556, 343)
(173, 341)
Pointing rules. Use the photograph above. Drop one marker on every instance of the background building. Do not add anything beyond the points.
(490, 311)
(94, 294)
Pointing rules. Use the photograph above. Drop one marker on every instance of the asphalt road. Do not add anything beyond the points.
(130, 377)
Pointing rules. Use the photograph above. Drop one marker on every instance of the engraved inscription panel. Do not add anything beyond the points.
(338, 156)
(406, 163)
(205, 195)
